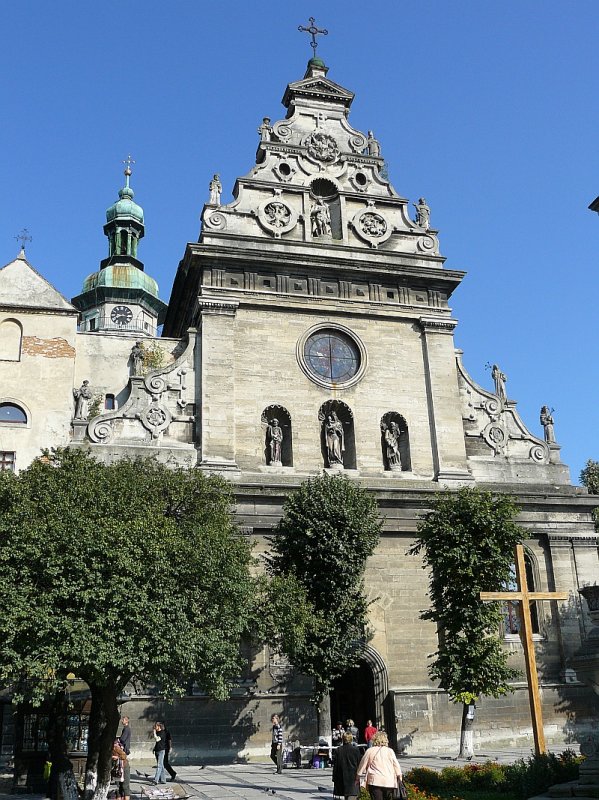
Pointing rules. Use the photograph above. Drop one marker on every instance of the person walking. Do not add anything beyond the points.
(345, 765)
(159, 750)
(125, 736)
(168, 742)
(276, 747)
(379, 768)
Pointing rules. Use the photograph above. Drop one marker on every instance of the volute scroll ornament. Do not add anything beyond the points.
(216, 221)
(428, 244)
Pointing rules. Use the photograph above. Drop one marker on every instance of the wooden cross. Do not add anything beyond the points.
(524, 596)
(313, 31)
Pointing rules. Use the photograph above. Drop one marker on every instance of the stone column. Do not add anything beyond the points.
(445, 416)
(216, 389)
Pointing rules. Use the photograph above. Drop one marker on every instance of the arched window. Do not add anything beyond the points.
(11, 336)
(337, 438)
(511, 615)
(12, 414)
(109, 402)
(395, 442)
(278, 441)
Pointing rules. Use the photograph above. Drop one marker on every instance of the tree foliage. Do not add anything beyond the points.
(122, 572)
(589, 476)
(329, 527)
(468, 541)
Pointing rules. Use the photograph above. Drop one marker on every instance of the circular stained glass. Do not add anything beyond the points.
(331, 356)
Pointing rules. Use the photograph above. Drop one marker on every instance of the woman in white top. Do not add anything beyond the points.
(381, 768)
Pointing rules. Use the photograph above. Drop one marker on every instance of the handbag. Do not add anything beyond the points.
(400, 792)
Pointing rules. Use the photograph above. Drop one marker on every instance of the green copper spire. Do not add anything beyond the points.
(124, 225)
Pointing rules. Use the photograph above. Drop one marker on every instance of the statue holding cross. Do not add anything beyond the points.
(524, 597)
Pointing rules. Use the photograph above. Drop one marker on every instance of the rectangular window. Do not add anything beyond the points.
(7, 460)
(92, 324)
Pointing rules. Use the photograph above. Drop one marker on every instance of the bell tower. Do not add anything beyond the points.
(120, 298)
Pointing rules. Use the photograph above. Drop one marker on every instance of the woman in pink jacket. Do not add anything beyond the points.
(381, 768)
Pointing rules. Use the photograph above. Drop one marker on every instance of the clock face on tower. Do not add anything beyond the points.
(121, 315)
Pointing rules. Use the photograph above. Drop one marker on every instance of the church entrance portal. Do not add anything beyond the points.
(362, 693)
(353, 697)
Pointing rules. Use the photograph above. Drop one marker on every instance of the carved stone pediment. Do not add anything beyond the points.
(496, 426)
(157, 404)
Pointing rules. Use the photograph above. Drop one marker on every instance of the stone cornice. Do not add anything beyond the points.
(214, 306)
(437, 325)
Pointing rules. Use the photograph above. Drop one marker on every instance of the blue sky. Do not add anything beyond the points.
(488, 109)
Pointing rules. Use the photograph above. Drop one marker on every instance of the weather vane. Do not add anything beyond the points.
(23, 237)
(313, 31)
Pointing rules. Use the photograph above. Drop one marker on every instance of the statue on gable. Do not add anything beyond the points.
(391, 434)
(547, 423)
(265, 130)
(216, 189)
(320, 217)
(274, 440)
(335, 440)
(373, 146)
(423, 214)
(500, 379)
(82, 397)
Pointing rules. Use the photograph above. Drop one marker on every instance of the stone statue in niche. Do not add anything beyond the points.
(82, 397)
(265, 130)
(137, 358)
(216, 189)
(335, 440)
(423, 214)
(274, 440)
(320, 217)
(547, 423)
(373, 146)
(500, 379)
(391, 434)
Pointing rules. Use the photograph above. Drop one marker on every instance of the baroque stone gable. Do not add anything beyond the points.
(498, 444)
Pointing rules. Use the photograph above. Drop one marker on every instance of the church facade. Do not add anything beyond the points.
(308, 329)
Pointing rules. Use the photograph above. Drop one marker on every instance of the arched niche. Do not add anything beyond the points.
(337, 437)
(509, 609)
(324, 192)
(11, 338)
(277, 436)
(395, 442)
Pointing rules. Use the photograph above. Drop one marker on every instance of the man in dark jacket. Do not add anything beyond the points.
(168, 741)
(125, 736)
(345, 764)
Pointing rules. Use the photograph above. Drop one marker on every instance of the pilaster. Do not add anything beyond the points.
(447, 433)
(216, 368)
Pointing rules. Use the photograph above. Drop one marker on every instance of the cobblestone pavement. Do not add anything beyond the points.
(256, 781)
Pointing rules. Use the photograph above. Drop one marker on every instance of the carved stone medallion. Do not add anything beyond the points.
(275, 216)
(155, 419)
(373, 225)
(322, 147)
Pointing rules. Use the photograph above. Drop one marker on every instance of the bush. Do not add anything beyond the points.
(424, 778)
(454, 777)
(485, 776)
(531, 776)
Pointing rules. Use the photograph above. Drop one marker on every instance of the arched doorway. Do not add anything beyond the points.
(361, 694)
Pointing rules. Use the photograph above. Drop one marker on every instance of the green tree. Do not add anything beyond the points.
(329, 527)
(468, 542)
(589, 476)
(118, 573)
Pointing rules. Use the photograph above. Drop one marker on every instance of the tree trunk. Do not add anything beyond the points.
(103, 724)
(323, 713)
(62, 780)
(461, 754)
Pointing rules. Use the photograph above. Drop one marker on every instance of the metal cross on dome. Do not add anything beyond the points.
(313, 31)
